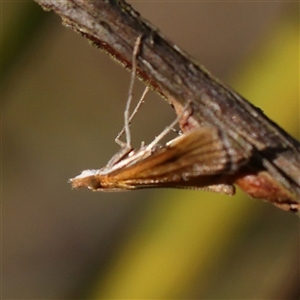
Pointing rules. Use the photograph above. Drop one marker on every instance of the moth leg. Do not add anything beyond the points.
(127, 144)
(227, 189)
(141, 101)
(222, 188)
(168, 128)
(124, 151)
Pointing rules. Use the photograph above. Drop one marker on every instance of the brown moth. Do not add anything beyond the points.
(196, 159)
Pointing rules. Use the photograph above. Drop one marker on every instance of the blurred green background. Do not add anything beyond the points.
(62, 106)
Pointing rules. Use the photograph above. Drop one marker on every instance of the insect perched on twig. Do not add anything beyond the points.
(196, 159)
(201, 157)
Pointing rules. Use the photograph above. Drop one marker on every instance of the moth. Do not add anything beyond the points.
(197, 159)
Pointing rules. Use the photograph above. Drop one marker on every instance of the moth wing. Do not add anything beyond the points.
(195, 153)
(195, 160)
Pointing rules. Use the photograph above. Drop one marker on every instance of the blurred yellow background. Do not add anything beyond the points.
(62, 106)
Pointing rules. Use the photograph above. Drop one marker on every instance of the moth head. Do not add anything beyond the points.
(87, 179)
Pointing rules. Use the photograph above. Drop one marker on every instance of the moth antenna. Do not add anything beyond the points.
(130, 95)
(141, 101)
